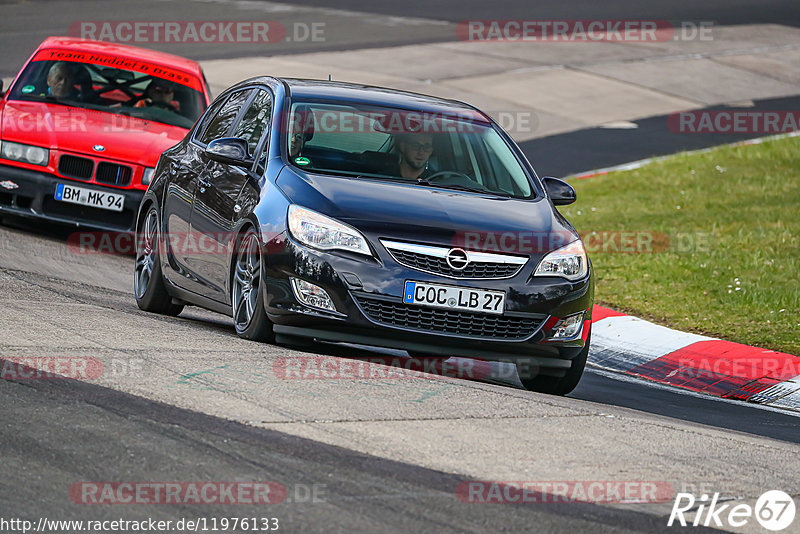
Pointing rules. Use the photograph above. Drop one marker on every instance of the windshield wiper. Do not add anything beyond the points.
(461, 187)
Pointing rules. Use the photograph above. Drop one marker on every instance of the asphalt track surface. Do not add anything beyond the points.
(590, 149)
(77, 430)
(54, 433)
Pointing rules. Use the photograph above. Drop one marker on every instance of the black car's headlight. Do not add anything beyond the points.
(320, 231)
(34, 155)
(569, 261)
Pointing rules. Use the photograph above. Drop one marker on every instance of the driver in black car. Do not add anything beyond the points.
(414, 150)
(159, 93)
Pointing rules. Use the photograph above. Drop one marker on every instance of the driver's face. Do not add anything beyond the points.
(296, 143)
(416, 150)
(60, 82)
(159, 94)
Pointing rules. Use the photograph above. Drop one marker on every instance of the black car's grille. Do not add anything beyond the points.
(436, 265)
(442, 321)
(111, 173)
(76, 167)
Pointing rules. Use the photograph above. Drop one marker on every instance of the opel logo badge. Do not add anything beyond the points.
(98, 148)
(457, 259)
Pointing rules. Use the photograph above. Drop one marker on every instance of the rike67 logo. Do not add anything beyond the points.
(774, 510)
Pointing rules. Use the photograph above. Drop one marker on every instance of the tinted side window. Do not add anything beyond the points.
(219, 123)
(213, 109)
(255, 120)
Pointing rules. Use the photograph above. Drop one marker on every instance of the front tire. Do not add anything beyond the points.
(148, 281)
(558, 385)
(247, 297)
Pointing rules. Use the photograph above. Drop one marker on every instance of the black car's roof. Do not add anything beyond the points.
(303, 89)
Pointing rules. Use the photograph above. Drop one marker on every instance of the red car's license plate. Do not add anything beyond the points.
(89, 197)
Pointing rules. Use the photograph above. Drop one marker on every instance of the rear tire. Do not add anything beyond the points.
(563, 385)
(247, 297)
(148, 281)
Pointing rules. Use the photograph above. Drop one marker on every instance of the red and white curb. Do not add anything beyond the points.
(632, 346)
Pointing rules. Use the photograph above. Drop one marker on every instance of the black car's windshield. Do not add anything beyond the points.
(461, 152)
(112, 89)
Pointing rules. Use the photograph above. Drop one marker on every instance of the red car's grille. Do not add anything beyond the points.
(111, 173)
(104, 173)
(75, 167)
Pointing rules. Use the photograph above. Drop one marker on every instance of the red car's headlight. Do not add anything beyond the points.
(25, 153)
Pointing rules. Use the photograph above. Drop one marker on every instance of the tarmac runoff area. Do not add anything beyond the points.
(590, 105)
(539, 89)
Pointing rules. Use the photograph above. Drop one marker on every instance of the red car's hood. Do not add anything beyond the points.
(78, 130)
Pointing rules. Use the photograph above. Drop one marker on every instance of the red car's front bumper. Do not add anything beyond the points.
(29, 193)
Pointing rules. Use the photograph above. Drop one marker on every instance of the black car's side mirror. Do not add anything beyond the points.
(560, 192)
(1, 89)
(230, 151)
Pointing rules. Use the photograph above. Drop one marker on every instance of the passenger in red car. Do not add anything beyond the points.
(159, 93)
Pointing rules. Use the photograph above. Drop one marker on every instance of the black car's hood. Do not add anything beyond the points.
(407, 211)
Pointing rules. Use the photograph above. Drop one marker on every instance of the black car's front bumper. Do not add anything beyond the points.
(34, 196)
(367, 294)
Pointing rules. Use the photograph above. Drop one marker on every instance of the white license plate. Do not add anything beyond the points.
(89, 197)
(454, 298)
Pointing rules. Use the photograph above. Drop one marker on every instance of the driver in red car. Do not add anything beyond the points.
(60, 81)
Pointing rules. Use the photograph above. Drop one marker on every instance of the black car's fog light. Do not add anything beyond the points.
(312, 295)
(568, 327)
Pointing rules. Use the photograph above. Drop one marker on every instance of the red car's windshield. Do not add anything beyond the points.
(112, 89)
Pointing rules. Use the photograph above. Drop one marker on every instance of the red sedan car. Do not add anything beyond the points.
(83, 125)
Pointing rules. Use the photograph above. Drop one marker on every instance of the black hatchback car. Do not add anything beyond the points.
(347, 213)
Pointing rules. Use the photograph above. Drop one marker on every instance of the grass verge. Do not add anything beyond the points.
(708, 243)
